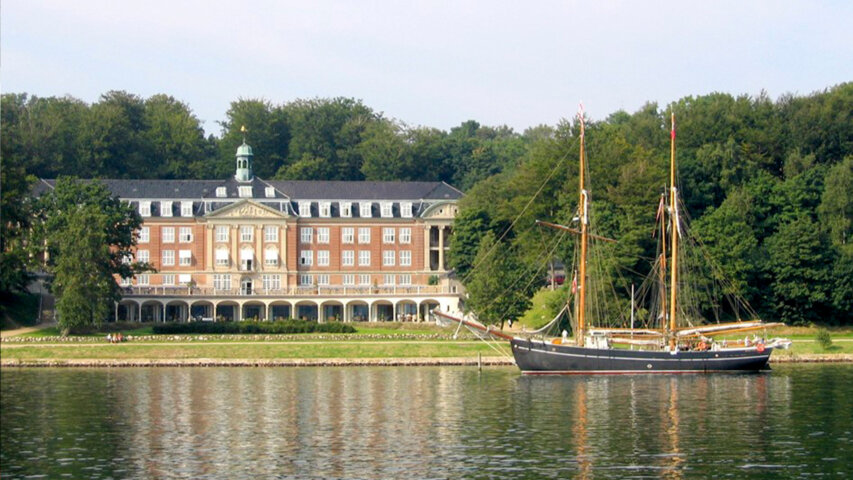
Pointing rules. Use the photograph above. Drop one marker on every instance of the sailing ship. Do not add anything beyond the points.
(668, 347)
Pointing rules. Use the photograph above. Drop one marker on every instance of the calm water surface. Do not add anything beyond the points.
(423, 423)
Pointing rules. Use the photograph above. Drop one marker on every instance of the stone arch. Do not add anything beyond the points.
(202, 310)
(280, 310)
(331, 311)
(426, 306)
(227, 310)
(406, 311)
(357, 311)
(306, 310)
(176, 310)
(151, 311)
(253, 310)
(382, 311)
(127, 310)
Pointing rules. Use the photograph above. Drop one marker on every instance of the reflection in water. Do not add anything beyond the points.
(423, 423)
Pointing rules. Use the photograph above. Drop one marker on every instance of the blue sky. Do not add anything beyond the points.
(432, 63)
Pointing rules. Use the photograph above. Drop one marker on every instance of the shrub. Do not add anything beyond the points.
(251, 327)
(823, 338)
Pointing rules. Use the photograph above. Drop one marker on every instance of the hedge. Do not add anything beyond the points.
(286, 326)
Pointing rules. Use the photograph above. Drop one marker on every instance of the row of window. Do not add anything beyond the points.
(306, 235)
(389, 258)
(167, 235)
(166, 208)
(273, 281)
(185, 257)
(386, 209)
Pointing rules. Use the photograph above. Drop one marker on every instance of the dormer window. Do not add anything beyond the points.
(166, 209)
(244, 191)
(364, 209)
(406, 209)
(186, 209)
(325, 209)
(145, 209)
(386, 209)
(346, 209)
(269, 192)
(220, 192)
(304, 209)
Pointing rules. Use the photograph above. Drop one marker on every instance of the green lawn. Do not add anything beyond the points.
(251, 350)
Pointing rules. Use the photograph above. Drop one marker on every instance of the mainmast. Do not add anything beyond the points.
(584, 219)
(673, 214)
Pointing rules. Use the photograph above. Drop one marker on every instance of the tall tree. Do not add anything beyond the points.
(89, 235)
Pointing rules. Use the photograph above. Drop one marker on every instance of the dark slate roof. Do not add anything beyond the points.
(284, 189)
(365, 190)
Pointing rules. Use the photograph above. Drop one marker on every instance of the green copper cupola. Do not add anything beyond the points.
(244, 161)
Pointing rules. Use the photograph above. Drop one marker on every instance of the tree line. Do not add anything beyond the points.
(767, 183)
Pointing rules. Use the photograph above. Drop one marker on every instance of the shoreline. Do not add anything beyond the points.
(335, 362)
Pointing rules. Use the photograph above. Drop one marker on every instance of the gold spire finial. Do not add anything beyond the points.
(243, 129)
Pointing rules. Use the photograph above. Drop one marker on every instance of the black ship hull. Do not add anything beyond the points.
(538, 357)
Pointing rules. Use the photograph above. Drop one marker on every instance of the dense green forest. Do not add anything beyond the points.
(768, 184)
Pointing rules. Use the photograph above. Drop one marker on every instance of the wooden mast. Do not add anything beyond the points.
(579, 337)
(673, 214)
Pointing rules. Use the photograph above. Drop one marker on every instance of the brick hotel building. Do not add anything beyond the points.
(247, 248)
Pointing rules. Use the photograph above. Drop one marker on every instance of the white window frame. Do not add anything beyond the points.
(306, 258)
(269, 192)
(271, 282)
(305, 209)
(306, 280)
(388, 235)
(306, 235)
(348, 258)
(185, 258)
(143, 256)
(271, 260)
(247, 233)
(271, 233)
(186, 209)
(222, 281)
(168, 279)
(145, 209)
(389, 279)
(405, 258)
(364, 258)
(219, 259)
(168, 258)
(347, 235)
(184, 278)
(364, 279)
(323, 235)
(348, 280)
(185, 234)
(142, 279)
(221, 233)
(386, 209)
(404, 279)
(325, 209)
(364, 235)
(167, 235)
(244, 191)
(364, 209)
(144, 235)
(166, 208)
(126, 281)
(322, 279)
(346, 209)
(221, 192)
(405, 235)
(323, 258)
(406, 209)
(389, 258)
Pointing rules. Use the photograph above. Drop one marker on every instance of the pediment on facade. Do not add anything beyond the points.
(441, 210)
(246, 209)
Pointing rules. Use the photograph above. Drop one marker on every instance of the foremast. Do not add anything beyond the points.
(673, 215)
(584, 221)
